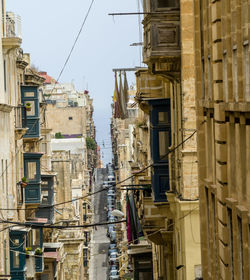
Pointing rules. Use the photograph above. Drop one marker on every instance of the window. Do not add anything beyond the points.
(31, 111)
(29, 240)
(70, 118)
(31, 174)
(163, 117)
(163, 143)
(45, 196)
(160, 140)
(16, 259)
(160, 130)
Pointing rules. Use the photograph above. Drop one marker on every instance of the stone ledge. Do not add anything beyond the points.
(5, 108)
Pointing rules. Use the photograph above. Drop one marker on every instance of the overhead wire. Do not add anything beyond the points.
(77, 37)
(36, 225)
(115, 184)
(59, 76)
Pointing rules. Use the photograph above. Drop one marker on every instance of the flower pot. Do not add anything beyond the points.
(28, 108)
(24, 184)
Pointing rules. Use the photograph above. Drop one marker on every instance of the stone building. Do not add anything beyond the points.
(27, 181)
(12, 130)
(20, 157)
(165, 145)
(222, 100)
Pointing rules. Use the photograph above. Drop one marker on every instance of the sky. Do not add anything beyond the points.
(49, 28)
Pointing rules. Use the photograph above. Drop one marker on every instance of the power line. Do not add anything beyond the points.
(118, 183)
(77, 37)
(66, 62)
(35, 225)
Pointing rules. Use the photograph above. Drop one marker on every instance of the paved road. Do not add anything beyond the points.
(99, 241)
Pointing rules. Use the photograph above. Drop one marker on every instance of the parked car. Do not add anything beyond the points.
(114, 275)
(114, 267)
(111, 192)
(111, 202)
(113, 258)
(114, 250)
(111, 246)
(112, 235)
(110, 206)
(112, 219)
(111, 228)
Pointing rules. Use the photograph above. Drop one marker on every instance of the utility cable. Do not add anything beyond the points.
(35, 225)
(63, 68)
(118, 183)
(77, 37)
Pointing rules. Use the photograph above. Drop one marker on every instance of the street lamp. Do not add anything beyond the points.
(117, 213)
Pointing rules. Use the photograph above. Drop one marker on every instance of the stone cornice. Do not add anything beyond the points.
(11, 43)
(5, 108)
(32, 77)
(21, 64)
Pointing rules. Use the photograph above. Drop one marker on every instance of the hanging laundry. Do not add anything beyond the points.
(129, 232)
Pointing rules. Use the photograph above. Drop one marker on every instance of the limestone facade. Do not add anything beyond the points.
(164, 142)
(222, 100)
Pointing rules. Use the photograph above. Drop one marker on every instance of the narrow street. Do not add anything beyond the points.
(99, 241)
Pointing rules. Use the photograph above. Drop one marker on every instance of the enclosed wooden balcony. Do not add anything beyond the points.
(32, 172)
(151, 86)
(31, 114)
(162, 35)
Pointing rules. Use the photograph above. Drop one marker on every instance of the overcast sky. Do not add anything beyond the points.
(49, 28)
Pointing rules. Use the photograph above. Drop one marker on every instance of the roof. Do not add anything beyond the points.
(48, 79)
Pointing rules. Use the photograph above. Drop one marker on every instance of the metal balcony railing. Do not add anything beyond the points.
(12, 25)
(19, 123)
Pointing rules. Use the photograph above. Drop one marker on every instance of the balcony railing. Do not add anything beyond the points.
(19, 122)
(12, 26)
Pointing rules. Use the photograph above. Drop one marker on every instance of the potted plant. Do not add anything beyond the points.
(38, 251)
(28, 106)
(24, 182)
(27, 251)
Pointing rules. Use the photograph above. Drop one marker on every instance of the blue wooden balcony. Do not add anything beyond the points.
(39, 264)
(160, 141)
(32, 171)
(31, 112)
(47, 193)
(17, 254)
